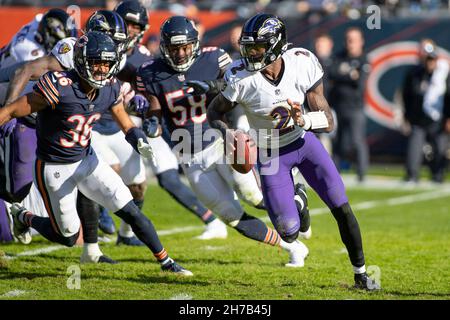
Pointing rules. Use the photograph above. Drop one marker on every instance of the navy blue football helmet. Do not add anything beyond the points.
(179, 31)
(262, 31)
(95, 47)
(55, 25)
(132, 11)
(112, 24)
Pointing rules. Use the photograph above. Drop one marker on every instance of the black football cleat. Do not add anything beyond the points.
(106, 259)
(106, 223)
(174, 267)
(363, 281)
(301, 201)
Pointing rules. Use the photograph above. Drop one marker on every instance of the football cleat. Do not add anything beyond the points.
(85, 258)
(363, 281)
(129, 241)
(216, 229)
(297, 255)
(174, 267)
(21, 231)
(301, 201)
(105, 222)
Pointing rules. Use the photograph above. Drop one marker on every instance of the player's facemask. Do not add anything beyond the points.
(100, 72)
(258, 55)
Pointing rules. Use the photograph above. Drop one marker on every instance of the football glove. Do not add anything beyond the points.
(196, 87)
(138, 104)
(146, 150)
(151, 127)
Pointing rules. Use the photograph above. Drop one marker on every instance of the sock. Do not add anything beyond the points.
(350, 233)
(359, 270)
(92, 249)
(125, 229)
(255, 229)
(143, 228)
(88, 211)
(208, 217)
(44, 227)
(25, 217)
(274, 239)
(170, 181)
(162, 257)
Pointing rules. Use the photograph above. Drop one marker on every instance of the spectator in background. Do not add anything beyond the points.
(348, 74)
(323, 48)
(235, 34)
(426, 111)
(200, 29)
(152, 45)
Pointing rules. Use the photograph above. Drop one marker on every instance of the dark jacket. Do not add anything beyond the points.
(413, 92)
(347, 94)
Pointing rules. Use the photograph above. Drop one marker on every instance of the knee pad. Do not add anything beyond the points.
(228, 213)
(290, 238)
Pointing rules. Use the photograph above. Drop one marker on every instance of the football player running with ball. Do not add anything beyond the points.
(162, 82)
(271, 82)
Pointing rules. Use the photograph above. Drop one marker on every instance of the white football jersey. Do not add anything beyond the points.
(63, 52)
(24, 46)
(265, 103)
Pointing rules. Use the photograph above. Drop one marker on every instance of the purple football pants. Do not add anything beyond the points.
(20, 155)
(5, 231)
(316, 166)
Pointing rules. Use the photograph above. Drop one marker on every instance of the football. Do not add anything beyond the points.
(245, 153)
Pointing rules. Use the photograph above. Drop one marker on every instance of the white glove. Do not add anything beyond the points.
(146, 151)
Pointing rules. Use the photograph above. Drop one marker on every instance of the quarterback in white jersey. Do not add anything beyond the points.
(271, 83)
(264, 104)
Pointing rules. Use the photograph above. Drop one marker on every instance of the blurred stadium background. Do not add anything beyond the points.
(390, 49)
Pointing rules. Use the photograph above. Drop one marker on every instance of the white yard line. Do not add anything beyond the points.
(13, 293)
(35, 252)
(425, 196)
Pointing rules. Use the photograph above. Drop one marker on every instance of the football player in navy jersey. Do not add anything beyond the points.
(34, 40)
(211, 178)
(166, 165)
(68, 105)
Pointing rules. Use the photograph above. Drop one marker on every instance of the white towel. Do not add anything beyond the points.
(433, 101)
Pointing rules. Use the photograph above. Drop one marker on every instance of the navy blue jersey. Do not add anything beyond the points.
(64, 127)
(181, 109)
(106, 125)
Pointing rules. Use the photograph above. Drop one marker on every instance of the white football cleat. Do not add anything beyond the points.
(216, 229)
(306, 235)
(21, 231)
(297, 254)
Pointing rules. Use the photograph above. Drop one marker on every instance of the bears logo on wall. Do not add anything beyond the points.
(383, 110)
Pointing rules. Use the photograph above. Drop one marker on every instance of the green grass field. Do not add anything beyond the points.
(405, 236)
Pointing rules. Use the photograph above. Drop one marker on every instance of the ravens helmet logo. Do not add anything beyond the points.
(64, 48)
